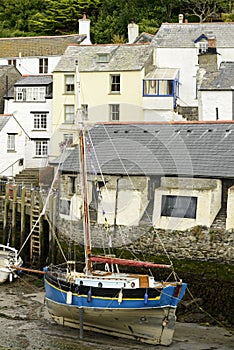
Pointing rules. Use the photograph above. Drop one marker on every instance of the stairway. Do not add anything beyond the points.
(28, 177)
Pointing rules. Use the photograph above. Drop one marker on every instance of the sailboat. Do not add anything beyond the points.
(10, 262)
(123, 304)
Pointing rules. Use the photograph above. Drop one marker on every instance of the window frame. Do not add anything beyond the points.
(11, 142)
(85, 111)
(179, 206)
(12, 62)
(41, 148)
(69, 87)
(64, 206)
(114, 115)
(40, 121)
(30, 94)
(67, 119)
(43, 65)
(115, 84)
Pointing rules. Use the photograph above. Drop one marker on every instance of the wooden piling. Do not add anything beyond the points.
(52, 229)
(13, 218)
(22, 219)
(5, 217)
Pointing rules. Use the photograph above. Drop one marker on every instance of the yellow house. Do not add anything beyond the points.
(111, 87)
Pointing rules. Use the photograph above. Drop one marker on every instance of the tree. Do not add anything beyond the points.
(15, 15)
(61, 16)
(203, 9)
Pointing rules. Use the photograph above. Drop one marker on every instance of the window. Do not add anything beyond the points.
(20, 94)
(114, 112)
(179, 206)
(40, 121)
(41, 148)
(103, 57)
(69, 84)
(84, 112)
(65, 207)
(203, 47)
(69, 114)
(30, 94)
(115, 83)
(12, 63)
(159, 87)
(43, 65)
(11, 142)
(72, 184)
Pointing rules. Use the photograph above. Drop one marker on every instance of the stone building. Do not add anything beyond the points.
(170, 175)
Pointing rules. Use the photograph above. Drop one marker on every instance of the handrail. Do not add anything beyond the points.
(11, 165)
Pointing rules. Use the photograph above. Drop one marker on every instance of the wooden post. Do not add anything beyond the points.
(22, 214)
(5, 219)
(41, 228)
(81, 314)
(14, 207)
(52, 227)
(32, 199)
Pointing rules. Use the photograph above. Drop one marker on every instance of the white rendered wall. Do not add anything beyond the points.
(210, 100)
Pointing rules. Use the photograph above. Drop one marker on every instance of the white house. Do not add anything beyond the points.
(177, 45)
(13, 140)
(30, 101)
(216, 94)
(36, 55)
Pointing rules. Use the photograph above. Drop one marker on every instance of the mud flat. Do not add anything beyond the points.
(26, 324)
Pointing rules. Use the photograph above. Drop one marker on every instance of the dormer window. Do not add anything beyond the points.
(103, 57)
(203, 46)
(30, 94)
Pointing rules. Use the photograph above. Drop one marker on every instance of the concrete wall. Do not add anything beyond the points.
(208, 193)
(9, 165)
(230, 209)
(210, 100)
(30, 65)
(132, 200)
(95, 92)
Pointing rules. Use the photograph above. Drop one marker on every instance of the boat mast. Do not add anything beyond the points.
(83, 175)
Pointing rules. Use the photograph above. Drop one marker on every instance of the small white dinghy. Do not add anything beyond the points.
(9, 263)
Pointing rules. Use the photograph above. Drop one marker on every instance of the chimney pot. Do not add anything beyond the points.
(181, 18)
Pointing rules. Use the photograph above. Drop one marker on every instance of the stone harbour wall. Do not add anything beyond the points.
(198, 243)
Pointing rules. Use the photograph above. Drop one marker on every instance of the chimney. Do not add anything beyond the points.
(133, 32)
(212, 44)
(181, 18)
(209, 60)
(84, 28)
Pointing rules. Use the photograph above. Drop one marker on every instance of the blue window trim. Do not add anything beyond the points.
(175, 89)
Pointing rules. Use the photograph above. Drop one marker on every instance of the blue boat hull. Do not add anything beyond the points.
(150, 320)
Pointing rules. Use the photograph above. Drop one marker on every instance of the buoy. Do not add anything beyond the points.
(120, 297)
(146, 297)
(69, 297)
(89, 298)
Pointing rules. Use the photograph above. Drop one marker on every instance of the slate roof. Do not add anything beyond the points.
(144, 38)
(8, 69)
(183, 35)
(122, 58)
(223, 79)
(38, 45)
(170, 149)
(3, 120)
(34, 80)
